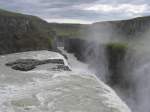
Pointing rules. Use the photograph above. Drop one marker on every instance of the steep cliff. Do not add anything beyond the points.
(127, 29)
(122, 29)
(20, 32)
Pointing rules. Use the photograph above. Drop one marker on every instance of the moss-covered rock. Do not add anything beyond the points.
(29, 64)
(116, 53)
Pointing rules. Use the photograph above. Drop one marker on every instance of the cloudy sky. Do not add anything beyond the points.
(79, 11)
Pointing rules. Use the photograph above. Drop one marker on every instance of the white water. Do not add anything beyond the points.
(44, 90)
(75, 64)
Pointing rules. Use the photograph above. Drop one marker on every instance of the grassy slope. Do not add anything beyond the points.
(127, 28)
(69, 30)
(21, 32)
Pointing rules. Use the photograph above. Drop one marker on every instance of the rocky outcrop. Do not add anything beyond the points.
(29, 64)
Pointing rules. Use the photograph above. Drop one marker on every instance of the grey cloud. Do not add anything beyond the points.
(67, 8)
(124, 1)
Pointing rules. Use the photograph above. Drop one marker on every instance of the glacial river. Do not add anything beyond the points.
(46, 90)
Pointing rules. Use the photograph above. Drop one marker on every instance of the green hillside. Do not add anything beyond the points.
(19, 32)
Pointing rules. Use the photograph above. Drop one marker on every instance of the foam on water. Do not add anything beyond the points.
(75, 64)
(43, 90)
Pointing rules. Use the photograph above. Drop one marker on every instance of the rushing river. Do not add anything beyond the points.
(45, 90)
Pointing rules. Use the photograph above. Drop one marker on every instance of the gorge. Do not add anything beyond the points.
(33, 78)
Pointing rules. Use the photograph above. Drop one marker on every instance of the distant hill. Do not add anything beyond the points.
(127, 29)
(19, 32)
(69, 30)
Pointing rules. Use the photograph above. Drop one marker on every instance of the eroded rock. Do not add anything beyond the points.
(62, 67)
(29, 64)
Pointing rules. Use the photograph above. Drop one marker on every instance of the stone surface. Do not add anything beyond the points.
(29, 64)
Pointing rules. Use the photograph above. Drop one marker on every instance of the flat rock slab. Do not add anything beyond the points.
(29, 64)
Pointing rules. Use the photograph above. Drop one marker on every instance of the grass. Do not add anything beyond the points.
(26, 32)
(69, 30)
(117, 46)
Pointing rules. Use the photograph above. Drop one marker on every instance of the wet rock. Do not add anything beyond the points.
(29, 64)
(23, 67)
(64, 55)
(62, 67)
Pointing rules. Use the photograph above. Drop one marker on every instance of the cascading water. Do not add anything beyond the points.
(134, 71)
(45, 89)
(134, 77)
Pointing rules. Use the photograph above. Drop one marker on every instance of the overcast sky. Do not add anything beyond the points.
(79, 11)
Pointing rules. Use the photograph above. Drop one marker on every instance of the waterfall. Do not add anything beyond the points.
(122, 64)
(45, 89)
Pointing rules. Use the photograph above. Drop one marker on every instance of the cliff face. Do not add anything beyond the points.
(20, 32)
(127, 29)
(122, 29)
(115, 57)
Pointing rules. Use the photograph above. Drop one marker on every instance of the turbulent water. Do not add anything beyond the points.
(45, 90)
